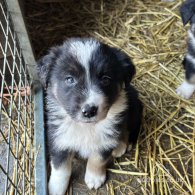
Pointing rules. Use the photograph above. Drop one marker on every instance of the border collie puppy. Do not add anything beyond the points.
(91, 109)
(187, 88)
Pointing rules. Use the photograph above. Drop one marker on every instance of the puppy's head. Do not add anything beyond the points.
(85, 76)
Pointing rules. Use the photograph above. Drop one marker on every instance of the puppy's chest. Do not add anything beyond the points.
(85, 138)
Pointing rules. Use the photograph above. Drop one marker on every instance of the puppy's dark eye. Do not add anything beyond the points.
(105, 80)
(70, 80)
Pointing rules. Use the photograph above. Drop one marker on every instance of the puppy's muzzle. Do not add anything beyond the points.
(89, 111)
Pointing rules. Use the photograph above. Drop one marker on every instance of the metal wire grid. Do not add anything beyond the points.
(16, 114)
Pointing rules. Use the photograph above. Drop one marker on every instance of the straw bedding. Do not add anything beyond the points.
(152, 34)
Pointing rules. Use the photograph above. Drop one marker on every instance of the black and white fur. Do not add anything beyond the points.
(91, 109)
(187, 88)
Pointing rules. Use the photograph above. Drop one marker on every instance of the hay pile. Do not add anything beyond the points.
(152, 34)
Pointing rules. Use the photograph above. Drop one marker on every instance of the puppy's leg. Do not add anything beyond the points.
(122, 146)
(95, 174)
(185, 90)
(120, 149)
(60, 175)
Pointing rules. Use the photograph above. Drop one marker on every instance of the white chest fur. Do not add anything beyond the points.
(85, 138)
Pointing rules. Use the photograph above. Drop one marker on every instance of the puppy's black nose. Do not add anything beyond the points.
(89, 111)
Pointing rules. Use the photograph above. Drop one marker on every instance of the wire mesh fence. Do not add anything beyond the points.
(16, 113)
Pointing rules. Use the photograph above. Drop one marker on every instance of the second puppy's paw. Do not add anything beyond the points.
(185, 90)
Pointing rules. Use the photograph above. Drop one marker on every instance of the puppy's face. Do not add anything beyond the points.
(85, 77)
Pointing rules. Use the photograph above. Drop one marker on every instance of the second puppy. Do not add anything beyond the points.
(187, 88)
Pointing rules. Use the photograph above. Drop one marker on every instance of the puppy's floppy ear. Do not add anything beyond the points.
(44, 65)
(128, 70)
(187, 11)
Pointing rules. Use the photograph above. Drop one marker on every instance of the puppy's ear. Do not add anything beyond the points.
(128, 68)
(187, 11)
(44, 65)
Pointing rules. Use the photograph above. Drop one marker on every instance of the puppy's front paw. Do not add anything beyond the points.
(59, 179)
(57, 188)
(94, 181)
(185, 90)
(119, 150)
